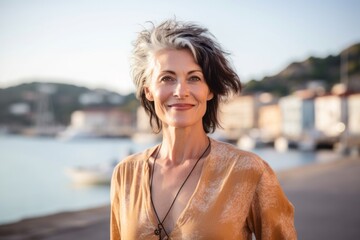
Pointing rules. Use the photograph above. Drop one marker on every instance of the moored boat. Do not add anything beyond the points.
(97, 174)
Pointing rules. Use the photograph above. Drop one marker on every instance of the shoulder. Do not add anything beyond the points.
(134, 161)
(225, 155)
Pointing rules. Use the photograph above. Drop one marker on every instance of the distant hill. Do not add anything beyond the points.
(298, 74)
(19, 104)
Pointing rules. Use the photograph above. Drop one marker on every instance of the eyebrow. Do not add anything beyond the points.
(193, 71)
(172, 72)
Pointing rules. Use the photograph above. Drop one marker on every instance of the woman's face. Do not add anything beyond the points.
(178, 89)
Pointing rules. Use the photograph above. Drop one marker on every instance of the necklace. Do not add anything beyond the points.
(160, 226)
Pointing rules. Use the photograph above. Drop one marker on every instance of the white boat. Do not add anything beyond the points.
(97, 174)
(75, 133)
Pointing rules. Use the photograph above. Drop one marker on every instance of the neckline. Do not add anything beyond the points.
(180, 220)
(161, 221)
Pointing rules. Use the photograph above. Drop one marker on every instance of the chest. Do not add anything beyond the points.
(172, 191)
(208, 203)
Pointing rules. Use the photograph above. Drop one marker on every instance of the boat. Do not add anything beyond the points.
(92, 175)
(71, 133)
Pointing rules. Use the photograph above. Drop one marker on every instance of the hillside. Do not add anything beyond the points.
(20, 104)
(298, 74)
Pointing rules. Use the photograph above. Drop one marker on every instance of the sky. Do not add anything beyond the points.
(89, 42)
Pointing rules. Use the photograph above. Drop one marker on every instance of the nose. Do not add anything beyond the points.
(181, 89)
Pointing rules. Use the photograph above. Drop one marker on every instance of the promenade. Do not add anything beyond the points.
(326, 197)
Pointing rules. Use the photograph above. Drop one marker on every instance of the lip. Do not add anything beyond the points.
(181, 106)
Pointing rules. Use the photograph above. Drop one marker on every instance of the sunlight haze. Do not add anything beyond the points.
(88, 43)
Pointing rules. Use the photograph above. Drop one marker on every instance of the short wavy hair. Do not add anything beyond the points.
(220, 76)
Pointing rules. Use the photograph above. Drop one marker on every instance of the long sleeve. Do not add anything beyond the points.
(271, 215)
(115, 207)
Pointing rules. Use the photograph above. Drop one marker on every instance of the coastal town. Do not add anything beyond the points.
(308, 105)
(69, 116)
(306, 119)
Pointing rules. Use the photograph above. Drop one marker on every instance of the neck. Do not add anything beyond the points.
(181, 144)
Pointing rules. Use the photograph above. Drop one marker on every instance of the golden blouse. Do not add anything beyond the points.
(237, 194)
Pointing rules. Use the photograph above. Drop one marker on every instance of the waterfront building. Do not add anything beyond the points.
(352, 135)
(239, 115)
(270, 122)
(331, 115)
(99, 122)
(354, 114)
(297, 111)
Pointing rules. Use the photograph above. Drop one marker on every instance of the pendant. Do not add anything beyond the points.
(157, 231)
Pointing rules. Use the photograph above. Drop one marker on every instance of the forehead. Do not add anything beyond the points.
(174, 59)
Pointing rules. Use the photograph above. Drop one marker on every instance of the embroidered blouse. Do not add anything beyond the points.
(237, 194)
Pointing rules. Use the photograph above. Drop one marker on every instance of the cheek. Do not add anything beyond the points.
(160, 99)
(205, 95)
(162, 94)
(159, 96)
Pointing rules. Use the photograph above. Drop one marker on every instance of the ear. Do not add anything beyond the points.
(210, 96)
(148, 94)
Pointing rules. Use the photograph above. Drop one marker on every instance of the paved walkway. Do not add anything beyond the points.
(326, 199)
(90, 224)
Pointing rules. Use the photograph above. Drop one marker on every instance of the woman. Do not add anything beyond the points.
(191, 186)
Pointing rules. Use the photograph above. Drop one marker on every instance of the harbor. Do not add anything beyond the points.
(324, 196)
(39, 172)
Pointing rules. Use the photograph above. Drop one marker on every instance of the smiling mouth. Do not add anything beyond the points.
(181, 106)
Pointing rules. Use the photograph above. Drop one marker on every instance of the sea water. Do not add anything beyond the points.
(33, 179)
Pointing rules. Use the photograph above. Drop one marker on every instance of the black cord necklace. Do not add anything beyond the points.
(160, 226)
